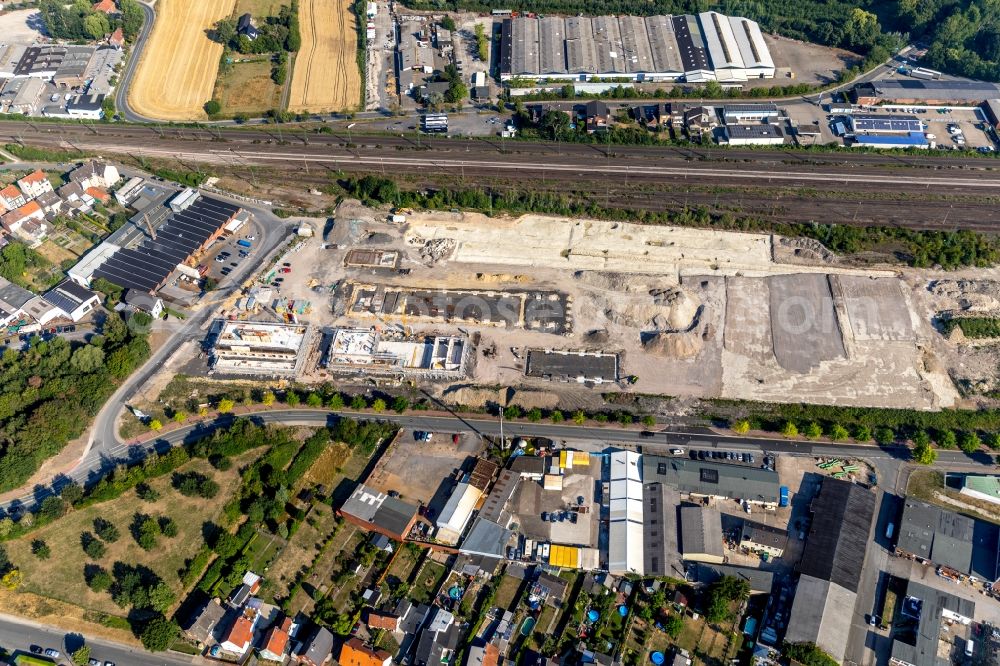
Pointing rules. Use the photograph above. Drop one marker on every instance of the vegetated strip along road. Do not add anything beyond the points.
(113, 450)
(18, 634)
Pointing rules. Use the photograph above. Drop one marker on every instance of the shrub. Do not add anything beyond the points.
(884, 436)
(195, 484)
(40, 549)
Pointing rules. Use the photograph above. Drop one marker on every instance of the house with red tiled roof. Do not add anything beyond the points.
(276, 641)
(117, 38)
(240, 635)
(380, 620)
(12, 220)
(356, 653)
(11, 197)
(106, 6)
(35, 184)
(99, 194)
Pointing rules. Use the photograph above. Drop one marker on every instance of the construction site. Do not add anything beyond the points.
(560, 309)
(259, 348)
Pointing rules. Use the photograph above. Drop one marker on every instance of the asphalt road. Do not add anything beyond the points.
(121, 93)
(18, 635)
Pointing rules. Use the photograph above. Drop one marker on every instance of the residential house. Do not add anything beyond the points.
(317, 650)
(438, 640)
(12, 220)
(143, 302)
(249, 587)
(598, 116)
(203, 624)
(35, 184)
(33, 232)
(12, 198)
(51, 204)
(73, 301)
(356, 653)
(99, 194)
(95, 174)
(68, 192)
(276, 641)
(382, 620)
(245, 26)
(383, 543)
(117, 39)
(483, 654)
(106, 7)
(240, 635)
(700, 120)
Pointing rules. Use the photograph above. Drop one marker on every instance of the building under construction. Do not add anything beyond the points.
(259, 348)
(368, 351)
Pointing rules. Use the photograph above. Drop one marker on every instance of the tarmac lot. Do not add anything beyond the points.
(531, 500)
(420, 471)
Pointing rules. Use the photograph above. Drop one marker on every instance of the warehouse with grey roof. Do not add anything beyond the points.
(709, 46)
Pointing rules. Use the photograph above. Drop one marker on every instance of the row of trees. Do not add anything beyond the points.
(50, 391)
(80, 21)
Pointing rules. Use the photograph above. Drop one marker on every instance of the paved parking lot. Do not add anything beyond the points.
(225, 255)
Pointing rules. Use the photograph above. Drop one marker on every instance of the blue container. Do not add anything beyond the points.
(657, 658)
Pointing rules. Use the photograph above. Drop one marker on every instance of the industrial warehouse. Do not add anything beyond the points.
(707, 47)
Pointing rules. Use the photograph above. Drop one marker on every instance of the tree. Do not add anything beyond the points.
(98, 579)
(741, 427)
(81, 656)
(946, 439)
(71, 493)
(400, 404)
(159, 634)
(992, 441)
(292, 398)
(6, 525)
(267, 399)
(448, 23)
(12, 579)
(789, 430)
(813, 430)
(40, 549)
(556, 416)
(838, 433)
(358, 402)
(92, 546)
(534, 415)
(970, 442)
(649, 420)
(579, 417)
(106, 530)
(862, 433)
(180, 417)
(314, 400)
(161, 597)
(378, 406)
(225, 406)
(155, 425)
(96, 25)
(884, 436)
(87, 359)
(132, 18)
(336, 402)
(225, 32)
(673, 625)
(924, 454)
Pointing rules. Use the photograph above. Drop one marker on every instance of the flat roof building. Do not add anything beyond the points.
(821, 614)
(625, 527)
(748, 113)
(842, 516)
(961, 546)
(889, 141)
(457, 512)
(936, 613)
(704, 478)
(985, 487)
(753, 135)
(760, 580)
(642, 48)
(370, 351)
(259, 348)
(916, 91)
(763, 538)
(661, 531)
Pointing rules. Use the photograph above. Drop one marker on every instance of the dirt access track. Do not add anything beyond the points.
(179, 64)
(326, 76)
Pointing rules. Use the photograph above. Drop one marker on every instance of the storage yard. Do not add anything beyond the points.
(179, 64)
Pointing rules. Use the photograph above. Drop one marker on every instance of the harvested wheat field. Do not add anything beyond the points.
(179, 64)
(326, 76)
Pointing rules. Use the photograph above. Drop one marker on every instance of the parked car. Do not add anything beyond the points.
(52, 652)
(677, 452)
(36, 649)
(93, 662)
(545, 516)
(285, 270)
(226, 271)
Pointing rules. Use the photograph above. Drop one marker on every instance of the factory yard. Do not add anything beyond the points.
(325, 76)
(179, 64)
(460, 301)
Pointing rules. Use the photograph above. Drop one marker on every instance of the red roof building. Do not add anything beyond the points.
(356, 653)
(276, 641)
(380, 620)
(117, 38)
(106, 6)
(99, 193)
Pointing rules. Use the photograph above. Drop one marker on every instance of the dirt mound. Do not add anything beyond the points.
(531, 399)
(969, 295)
(802, 250)
(435, 249)
(624, 282)
(674, 345)
(477, 396)
(597, 336)
(680, 312)
(502, 278)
